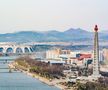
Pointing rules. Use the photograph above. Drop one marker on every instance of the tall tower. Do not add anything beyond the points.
(96, 53)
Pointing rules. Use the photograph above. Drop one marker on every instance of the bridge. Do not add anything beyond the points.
(15, 48)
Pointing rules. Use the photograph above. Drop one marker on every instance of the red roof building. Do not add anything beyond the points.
(82, 56)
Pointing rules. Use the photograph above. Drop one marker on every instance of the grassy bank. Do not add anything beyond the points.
(52, 74)
(40, 68)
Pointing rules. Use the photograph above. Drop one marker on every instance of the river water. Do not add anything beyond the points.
(20, 81)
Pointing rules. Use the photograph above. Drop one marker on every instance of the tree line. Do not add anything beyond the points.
(41, 68)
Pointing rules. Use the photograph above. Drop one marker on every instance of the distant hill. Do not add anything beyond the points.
(68, 35)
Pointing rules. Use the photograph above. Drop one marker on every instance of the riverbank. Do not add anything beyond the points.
(50, 82)
(52, 75)
(20, 81)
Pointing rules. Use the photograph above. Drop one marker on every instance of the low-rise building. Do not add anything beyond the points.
(68, 56)
(52, 54)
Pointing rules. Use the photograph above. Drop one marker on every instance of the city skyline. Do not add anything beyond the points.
(38, 15)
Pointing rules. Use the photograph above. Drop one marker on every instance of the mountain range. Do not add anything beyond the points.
(69, 35)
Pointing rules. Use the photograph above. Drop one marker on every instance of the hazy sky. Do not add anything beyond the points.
(40, 15)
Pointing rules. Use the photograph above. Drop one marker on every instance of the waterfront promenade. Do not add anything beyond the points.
(20, 81)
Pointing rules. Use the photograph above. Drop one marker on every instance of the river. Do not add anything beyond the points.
(20, 81)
